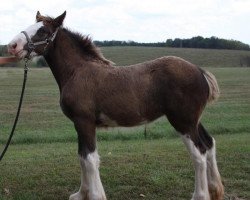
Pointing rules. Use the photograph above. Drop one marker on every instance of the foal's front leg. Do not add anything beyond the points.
(91, 187)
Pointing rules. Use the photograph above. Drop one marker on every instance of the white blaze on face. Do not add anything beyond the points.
(20, 40)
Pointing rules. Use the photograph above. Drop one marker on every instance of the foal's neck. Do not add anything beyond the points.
(63, 58)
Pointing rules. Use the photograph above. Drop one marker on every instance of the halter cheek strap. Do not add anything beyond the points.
(32, 45)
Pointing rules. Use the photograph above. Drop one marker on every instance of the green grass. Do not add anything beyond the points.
(159, 169)
(42, 161)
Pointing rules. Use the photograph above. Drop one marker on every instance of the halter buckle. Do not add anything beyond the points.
(31, 46)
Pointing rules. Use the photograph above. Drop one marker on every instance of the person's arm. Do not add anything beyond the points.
(4, 60)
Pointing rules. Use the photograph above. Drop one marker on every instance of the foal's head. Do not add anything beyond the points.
(41, 34)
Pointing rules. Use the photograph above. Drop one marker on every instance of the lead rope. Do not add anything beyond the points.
(18, 110)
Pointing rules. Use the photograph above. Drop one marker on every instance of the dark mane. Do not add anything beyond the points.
(86, 45)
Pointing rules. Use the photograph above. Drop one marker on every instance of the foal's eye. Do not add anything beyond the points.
(42, 32)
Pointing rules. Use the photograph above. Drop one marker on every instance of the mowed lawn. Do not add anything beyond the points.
(42, 161)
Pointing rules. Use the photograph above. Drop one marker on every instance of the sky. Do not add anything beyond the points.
(137, 20)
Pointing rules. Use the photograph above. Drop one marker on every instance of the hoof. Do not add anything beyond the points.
(98, 198)
(78, 196)
(216, 193)
(200, 197)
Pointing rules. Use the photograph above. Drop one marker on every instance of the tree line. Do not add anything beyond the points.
(194, 42)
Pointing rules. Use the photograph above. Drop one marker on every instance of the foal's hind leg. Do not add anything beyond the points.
(200, 164)
(91, 187)
(215, 185)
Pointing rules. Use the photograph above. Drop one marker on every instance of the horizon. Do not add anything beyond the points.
(148, 42)
(185, 38)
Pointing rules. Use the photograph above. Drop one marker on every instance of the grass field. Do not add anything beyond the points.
(200, 57)
(42, 160)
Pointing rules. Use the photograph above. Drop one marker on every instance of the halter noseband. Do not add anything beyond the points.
(32, 45)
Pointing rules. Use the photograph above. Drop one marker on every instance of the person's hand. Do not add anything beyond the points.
(5, 60)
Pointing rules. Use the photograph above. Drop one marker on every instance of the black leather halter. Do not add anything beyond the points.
(31, 46)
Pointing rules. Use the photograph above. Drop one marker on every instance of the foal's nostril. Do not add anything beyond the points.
(14, 45)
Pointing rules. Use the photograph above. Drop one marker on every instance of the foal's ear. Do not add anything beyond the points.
(38, 17)
(59, 20)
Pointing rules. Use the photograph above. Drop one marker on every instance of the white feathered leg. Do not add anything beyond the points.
(91, 186)
(215, 186)
(200, 165)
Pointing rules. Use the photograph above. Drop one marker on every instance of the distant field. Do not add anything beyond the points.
(42, 161)
(200, 57)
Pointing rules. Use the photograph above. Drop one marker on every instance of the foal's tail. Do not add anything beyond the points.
(214, 91)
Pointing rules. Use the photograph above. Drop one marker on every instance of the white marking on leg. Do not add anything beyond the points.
(214, 180)
(91, 185)
(92, 163)
(83, 191)
(200, 165)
